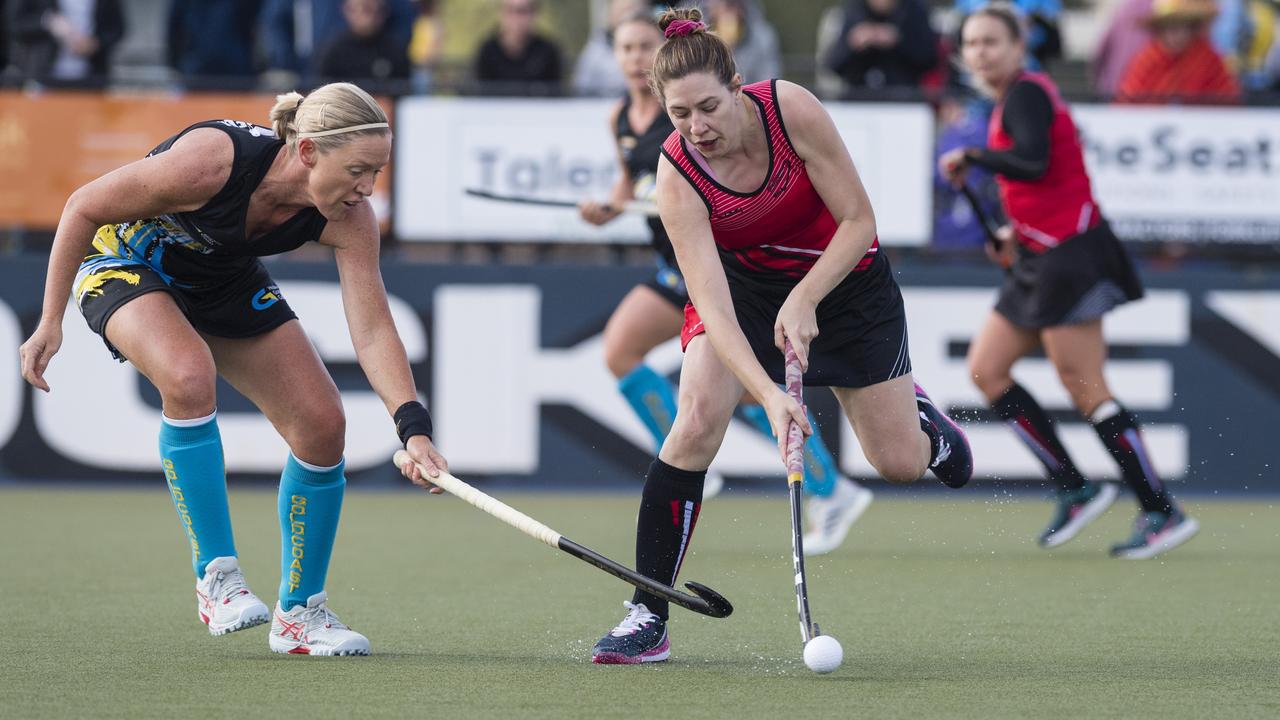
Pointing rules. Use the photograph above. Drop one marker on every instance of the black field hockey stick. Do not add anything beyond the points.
(795, 486)
(641, 207)
(704, 601)
(989, 226)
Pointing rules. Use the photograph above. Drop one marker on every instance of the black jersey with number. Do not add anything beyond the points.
(218, 228)
(640, 153)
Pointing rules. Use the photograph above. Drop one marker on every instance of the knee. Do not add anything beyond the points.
(317, 433)
(898, 466)
(696, 428)
(991, 380)
(188, 387)
(902, 471)
(619, 356)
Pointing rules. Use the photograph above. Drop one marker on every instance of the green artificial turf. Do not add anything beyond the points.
(945, 608)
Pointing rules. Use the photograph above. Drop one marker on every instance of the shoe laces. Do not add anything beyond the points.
(638, 618)
(321, 616)
(227, 584)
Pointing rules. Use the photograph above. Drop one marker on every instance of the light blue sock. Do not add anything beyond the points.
(191, 455)
(819, 467)
(310, 503)
(653, 398)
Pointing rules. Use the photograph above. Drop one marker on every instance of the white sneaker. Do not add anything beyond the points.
(712, 486)
(313, 629)
(831, 517)
(223, 600)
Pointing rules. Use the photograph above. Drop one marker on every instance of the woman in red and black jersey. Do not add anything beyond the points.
(1067, 271)
(776, 239)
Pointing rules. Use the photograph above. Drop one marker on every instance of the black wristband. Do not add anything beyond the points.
(412, 419)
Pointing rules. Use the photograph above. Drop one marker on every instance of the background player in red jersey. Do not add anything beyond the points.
(653, 312)
(1068, 270)
(777, 240)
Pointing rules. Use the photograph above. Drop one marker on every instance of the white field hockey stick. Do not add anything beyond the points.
(707, 601)
(639, 207)
(795, 485)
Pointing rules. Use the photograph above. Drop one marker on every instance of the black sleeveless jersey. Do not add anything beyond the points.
(218, 228)
(640, 153)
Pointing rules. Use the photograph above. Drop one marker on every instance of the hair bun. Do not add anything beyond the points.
(686, 21)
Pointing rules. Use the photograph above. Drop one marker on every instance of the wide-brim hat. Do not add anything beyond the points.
(1171, 12)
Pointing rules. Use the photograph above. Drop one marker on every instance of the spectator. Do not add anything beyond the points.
(884, 43)
(1125, 36)
(425, 45)
(62, 40)
(212, 43)
(596, 72)
(367, 51)
(294, 30)
(743, 27)
(1044, 39)
(1179, 63)
(516, 60)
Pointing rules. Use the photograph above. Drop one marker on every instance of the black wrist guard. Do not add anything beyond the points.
(412, 419)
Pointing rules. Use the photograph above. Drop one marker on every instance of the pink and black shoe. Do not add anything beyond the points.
(951, 460)
(641, 637)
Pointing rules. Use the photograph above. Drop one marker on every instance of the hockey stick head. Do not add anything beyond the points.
(717, 605)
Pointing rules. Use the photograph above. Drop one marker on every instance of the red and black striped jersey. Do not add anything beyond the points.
(782, 227)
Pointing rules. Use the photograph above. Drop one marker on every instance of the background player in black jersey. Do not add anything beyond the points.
(653, 312)
(174, 285)
(1067, 270)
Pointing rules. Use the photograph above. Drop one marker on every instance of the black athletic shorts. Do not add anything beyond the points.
(669, 284)
(862, 328)
(1080, 280)
(237, 299)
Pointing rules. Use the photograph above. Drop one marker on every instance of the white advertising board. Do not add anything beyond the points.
(563, 150)
(1185, 174)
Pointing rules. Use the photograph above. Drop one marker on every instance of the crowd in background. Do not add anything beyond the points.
(1147, 51)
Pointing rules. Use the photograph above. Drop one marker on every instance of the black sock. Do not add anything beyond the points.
(1119, 432)
(669, 509)
(1033, 426)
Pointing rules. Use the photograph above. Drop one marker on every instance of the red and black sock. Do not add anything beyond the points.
(669, 509)
(1033, 426)
(1119, 432)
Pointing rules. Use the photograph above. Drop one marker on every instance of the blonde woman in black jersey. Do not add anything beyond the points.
(162, 258)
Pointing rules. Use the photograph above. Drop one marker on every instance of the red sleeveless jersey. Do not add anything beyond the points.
(1059, 204)
(783, 226)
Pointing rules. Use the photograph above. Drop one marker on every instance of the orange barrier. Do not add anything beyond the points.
(53, 142)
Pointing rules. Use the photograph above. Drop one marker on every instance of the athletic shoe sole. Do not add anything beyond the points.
(249, 618)
(813, 546)
(287, 648)
(1091, 511)
(658, 654)
(1166, 540)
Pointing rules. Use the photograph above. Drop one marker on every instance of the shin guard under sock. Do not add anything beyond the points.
(669, 509)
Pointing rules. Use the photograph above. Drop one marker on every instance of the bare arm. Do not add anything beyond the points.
(183, 178)
(377, 343)
(834, 177)
(685, 217)
(598, 213)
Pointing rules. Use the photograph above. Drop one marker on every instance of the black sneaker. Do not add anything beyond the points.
(1155, 532)
(952, 460)
(1076, 509)
(641, 637)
